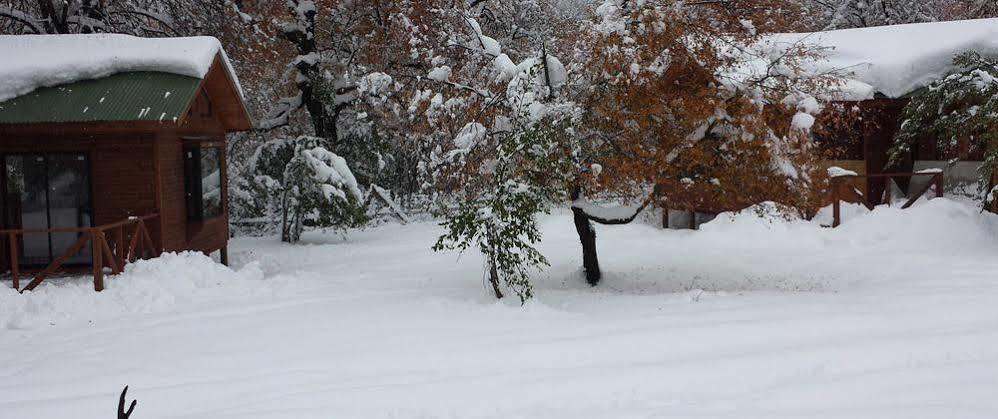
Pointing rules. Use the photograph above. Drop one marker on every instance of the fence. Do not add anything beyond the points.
(113, 254)
(838, 190)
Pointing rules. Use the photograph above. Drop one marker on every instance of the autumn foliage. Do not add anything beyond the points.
(676, 94)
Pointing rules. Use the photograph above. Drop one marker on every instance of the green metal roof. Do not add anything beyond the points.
(133, 96)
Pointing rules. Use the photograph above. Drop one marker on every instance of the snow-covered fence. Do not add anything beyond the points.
(839, 188)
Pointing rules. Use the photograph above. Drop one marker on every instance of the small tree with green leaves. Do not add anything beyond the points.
(960, 107)
(515, 176)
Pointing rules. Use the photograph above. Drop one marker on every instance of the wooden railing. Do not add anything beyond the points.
(113, 254)
(839, 188)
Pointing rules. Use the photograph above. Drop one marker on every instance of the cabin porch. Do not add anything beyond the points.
(110, 246)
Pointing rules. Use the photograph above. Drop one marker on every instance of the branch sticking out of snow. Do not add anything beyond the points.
(386, 197)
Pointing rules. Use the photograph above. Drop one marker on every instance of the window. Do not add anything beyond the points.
(203, 182)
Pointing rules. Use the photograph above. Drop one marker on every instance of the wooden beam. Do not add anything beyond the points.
(836, 203)
(56, 264)
(98, 260)
(110, 260)
(14, 261)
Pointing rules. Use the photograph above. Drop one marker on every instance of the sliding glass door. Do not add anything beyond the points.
(45, 191)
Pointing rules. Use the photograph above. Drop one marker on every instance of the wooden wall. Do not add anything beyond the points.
(177, 232)
(201, 127)
(121, 168)
(138, 169)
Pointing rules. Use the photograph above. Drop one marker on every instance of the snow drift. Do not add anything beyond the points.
(147, 286)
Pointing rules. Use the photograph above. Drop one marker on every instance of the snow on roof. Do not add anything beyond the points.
(895, 60)
(34, 61)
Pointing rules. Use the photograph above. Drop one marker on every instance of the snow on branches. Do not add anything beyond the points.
(512, 159)
(302, 184)
(698, 107)
(961, 113)
(149, 18)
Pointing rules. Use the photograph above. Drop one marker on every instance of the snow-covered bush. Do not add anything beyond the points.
(300, 183)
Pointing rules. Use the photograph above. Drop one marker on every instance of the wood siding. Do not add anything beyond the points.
(138, 169)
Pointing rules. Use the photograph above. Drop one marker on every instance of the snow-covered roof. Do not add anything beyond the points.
(895, 60)
(29, 62)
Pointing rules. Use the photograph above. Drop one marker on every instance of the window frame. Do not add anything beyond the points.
(193, 187)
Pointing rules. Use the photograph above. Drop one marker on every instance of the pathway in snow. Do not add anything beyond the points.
(894, 315)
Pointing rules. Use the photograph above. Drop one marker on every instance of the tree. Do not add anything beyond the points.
(365, 98)
(135, 17)
(969, 9)
(684, 105)
(511, 158)
(844, 14)
(305, 185)
(959, 110)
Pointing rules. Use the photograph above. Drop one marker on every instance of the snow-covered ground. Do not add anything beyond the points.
(893, 315)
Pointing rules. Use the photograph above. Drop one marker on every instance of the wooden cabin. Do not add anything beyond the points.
(118, 163)
(880, 69)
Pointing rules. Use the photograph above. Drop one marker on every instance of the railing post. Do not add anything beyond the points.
(14, 262)
(836, 208)
(939, 185)
(888, 182)
(119, 245)
(98, 260)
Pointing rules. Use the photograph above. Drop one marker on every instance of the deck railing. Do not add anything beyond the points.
(113, 254)
(840, 188)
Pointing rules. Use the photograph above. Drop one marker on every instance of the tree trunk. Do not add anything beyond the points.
(494, 279)
(285, 227)
(587, 236)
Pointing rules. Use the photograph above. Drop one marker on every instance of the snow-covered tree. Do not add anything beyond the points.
(958, 111)
(844, 14)
(969, 9)
(511, 158)
(686, 109)
(344, 87)
(301, 183)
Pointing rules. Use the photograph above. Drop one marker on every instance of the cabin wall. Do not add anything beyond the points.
(200, 128)
(172, 203)
(179, 233)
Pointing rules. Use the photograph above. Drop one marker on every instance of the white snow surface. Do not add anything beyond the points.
(836, 171)
(33, 61)
(803, 121)
(893, 60)
(894, 315)
(619, 212)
